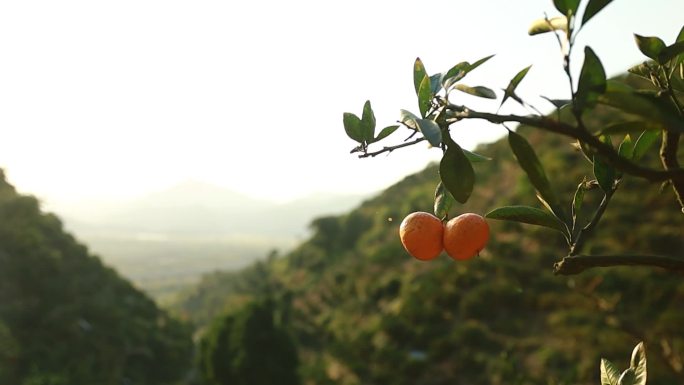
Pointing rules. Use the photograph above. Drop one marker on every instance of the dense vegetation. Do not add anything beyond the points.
(248, 347)
(65, 319)
(363, 312)
(358, 309)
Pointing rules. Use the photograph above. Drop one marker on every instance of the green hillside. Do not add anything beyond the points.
(364, 312)
(65, 319)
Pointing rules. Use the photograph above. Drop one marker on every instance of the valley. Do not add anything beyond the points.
(164, 242)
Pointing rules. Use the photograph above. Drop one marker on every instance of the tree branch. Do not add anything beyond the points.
(575, 264)
(669, 148)
(390, 148)
(668, 157)
(611, 156)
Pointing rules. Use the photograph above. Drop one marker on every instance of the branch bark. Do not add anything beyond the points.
(558, 127)
(576, 264)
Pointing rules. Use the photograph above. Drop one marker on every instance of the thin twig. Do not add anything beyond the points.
(669, 148)
(668, 157)
(390, 148)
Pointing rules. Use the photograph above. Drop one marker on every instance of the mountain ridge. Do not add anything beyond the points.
(153, 239)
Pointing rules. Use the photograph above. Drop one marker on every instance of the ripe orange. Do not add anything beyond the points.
(421, 234)
(465, 236)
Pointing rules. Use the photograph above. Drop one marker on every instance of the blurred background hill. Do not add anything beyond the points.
(66, 318)
(164, 241)
(355, 306)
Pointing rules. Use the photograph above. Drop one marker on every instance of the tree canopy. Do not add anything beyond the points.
(67, 319)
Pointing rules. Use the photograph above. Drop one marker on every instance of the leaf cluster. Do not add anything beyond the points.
(645, 115)
(636, 374)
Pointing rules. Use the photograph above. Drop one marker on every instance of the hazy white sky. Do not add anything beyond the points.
(112, 99)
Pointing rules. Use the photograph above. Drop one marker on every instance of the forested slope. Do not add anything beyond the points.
(65, 319)
(364, 312)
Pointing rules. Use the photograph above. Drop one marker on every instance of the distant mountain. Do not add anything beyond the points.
(198, 194)
(197, 208)
(166, 240)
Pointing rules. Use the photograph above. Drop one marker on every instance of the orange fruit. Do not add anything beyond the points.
(465, 236)
(421, 234)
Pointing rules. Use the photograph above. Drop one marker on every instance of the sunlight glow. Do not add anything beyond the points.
(104, 100)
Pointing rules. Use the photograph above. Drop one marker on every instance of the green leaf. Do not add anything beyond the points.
(540, 26)
(628, 377)
(680, 61)
(430, 131)
(368, 122)
(529, 215)
(443, 201)
(408, 118)
(638, 364)
(424, 96)
(604, 173)
(626, 149)
(650, 106)
(435, 83)
(385, 132)
(644, 143)
(635, 127)
(455, 74)
(650, 46)
(352, 126)
(459, 71)
(535, 172)
(618, 86)
(670, 52)
(609, 373)
(558, 103)
(419, 74)
(594, 7)
(677, 79)
(513, 84)
(592, 80)
(475, 158)
(480, 91)
(456, 172)
(478, 63)
(577, 200)
(567, 7)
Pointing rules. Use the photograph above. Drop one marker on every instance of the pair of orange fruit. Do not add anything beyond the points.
(424, 236)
